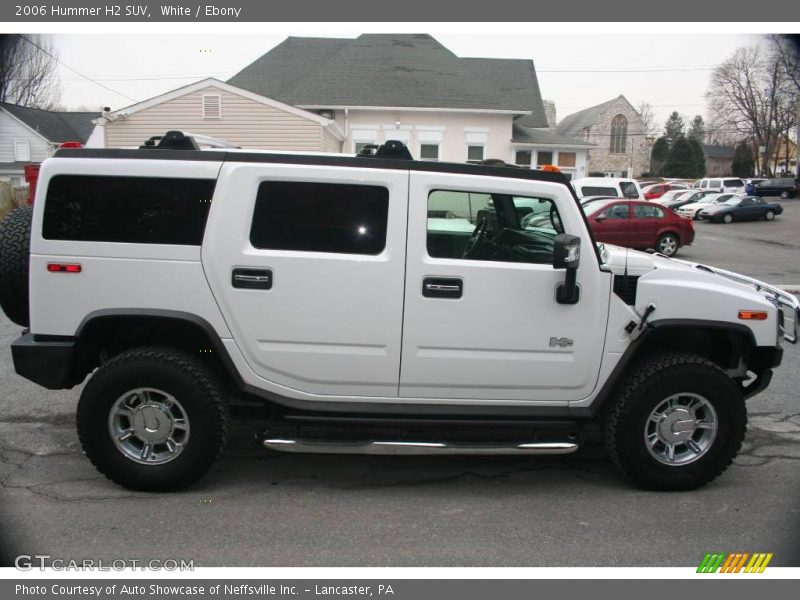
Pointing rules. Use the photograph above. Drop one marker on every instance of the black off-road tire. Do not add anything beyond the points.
(179, 374)
(15, 248)
(649, 383)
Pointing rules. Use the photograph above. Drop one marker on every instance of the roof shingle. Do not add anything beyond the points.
(391, 70)
(55, 126)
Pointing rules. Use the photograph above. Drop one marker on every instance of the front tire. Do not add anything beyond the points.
(677, 423)
(727, 219)
(153, 419)
(769, 215)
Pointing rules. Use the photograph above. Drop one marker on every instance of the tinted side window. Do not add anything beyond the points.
(591, 190)
(137, 210)
(494, 227)
(320, 217)
(618, 211)
(645, 211)
(734, 183)
(628, 189)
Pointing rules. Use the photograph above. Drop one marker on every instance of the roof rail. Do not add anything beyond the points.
(391, 149)
(183, 140)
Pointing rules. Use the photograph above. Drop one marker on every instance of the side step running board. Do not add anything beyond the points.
(411, 448)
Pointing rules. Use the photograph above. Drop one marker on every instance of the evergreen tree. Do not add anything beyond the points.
(697, 129)
(658, 156)
(699, 157)
(743, 160)
(674, 127)
(680, 161)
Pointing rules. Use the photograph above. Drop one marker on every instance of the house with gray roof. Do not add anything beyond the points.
(617, 134)
(409, 87)
(29, 135)
(719, 160)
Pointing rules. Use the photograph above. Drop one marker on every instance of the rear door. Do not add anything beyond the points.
(645, 223)
(481, 321)
(307, 265)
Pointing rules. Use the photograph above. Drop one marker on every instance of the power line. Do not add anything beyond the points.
(55, 58)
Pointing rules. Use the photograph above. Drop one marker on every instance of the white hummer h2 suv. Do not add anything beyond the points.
(369, 304)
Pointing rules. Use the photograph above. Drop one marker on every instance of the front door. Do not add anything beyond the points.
(481, 321)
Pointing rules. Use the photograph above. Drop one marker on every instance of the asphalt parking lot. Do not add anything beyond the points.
(260, 509)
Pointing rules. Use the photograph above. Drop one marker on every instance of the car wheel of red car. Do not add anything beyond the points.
(769, 215)
(727, 218)
(668, 244)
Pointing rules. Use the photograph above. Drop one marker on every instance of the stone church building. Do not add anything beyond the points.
(617, 134)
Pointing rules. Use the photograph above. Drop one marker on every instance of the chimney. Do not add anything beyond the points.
(550, 111)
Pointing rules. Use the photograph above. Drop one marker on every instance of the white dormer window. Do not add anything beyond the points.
(212, 106)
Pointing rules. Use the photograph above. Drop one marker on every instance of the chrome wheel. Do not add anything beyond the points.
(668, 245)
(148, 426)
(727, 218)
(769, 216)
(680, 429)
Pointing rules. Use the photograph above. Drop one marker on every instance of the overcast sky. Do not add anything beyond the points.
(669, 71)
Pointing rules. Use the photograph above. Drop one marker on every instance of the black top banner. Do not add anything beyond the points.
(678, 11)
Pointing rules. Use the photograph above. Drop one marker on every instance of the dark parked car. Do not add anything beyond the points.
(785, 187)
(741, 208)
(639, 225)
(688, 198)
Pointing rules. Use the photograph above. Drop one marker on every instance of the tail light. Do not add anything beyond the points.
(64, 267)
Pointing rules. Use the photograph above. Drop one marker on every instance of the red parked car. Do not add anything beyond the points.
(639, 225)
(656, 190)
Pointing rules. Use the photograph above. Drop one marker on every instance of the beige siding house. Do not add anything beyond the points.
(410, 88)
(220, 110)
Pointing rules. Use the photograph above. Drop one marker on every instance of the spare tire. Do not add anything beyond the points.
(15, 249)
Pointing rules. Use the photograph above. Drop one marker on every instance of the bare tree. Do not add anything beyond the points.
(645, 110)
(28, 71)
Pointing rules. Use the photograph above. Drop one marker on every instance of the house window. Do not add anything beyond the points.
(212, 106)
(474, 153)
(544, 158)
(429, 151)
(585, 132)
(619, 134)
(523, 158)
(22, 150)
(566, 159)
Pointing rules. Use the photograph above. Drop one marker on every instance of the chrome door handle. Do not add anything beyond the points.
(252, 279)
(442, 287)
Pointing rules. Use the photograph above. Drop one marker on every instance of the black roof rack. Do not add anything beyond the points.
(182, 140)
(391, 149)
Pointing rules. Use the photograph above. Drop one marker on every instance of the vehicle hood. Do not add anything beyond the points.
(624, 261)
(694, 206)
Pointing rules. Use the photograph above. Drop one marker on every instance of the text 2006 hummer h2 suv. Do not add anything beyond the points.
(370, 304)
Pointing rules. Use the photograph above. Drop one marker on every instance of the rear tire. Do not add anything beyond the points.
(637, 438)
(15, 248)
(668, 244)
(159, 398)
(784, 195)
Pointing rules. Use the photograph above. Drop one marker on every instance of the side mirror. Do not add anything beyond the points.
(567, 255)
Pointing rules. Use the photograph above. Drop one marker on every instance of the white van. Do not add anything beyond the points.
(732, 185)
(618, 187)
